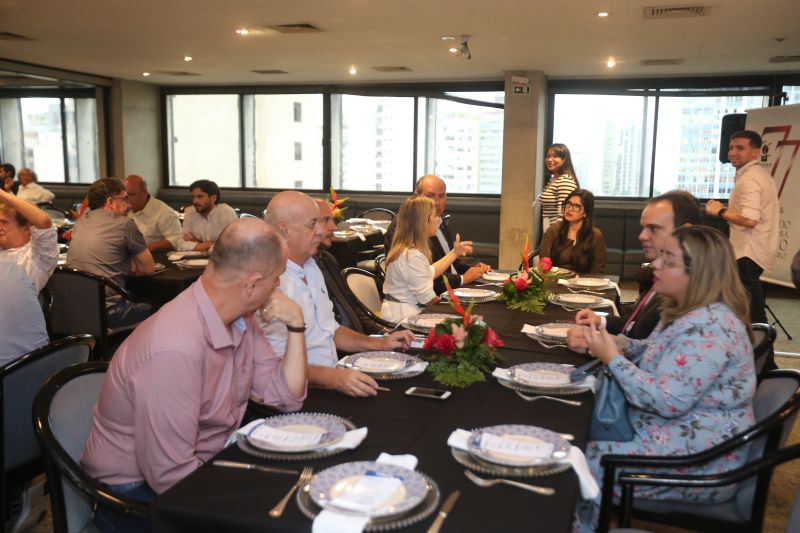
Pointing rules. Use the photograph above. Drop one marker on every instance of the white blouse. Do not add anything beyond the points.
(409, 279)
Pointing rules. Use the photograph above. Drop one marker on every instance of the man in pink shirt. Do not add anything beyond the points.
(178, 387)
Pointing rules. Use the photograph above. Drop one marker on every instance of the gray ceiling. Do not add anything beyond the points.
(562, 38)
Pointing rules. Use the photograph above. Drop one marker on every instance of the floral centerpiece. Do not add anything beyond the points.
(529, 289)
(336, 204)
(466, 346)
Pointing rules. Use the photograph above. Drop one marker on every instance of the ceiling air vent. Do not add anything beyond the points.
(269, 71)
(295, 28)
(392, 69)
(661, 62)
(784, 59)
(8, 36)
(672, 12)
(176, 73)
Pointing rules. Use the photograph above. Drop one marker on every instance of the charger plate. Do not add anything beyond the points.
(423, 510)
(470, 295)
(485, 467)
(423, 323)
(590, 283)
(571, 301)
(361, 362)
(522, 434)
(571, 390)
(245, 445)
(329, 427)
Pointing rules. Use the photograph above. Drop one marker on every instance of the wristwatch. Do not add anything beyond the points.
(721, 213)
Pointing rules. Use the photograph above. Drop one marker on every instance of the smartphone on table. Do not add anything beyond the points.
(432, 394)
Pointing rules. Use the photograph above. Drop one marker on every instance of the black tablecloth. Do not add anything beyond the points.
(222, 499)
(349, 250)
(163, 286)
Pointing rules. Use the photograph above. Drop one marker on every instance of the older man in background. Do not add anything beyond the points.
(157, 221)
(296, 216)
(105, 242)
(28, 237)
(460, 273)
(29, 188)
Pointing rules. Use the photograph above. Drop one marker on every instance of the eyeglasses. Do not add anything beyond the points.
(667, 262)
(576, 207)
(123, 198)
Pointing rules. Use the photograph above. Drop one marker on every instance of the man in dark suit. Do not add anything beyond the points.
(460, 273)
(660, 217)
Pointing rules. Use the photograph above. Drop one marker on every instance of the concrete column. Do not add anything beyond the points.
(523, 145)
(11, 124)
(136, 131)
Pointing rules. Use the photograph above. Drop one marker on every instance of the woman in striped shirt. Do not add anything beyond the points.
(563, 181)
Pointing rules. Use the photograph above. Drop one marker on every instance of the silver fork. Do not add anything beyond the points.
(545, 491)
(575, 403)
(305, 477)
(580, 291)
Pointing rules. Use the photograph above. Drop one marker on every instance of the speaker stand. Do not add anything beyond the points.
(776, 320)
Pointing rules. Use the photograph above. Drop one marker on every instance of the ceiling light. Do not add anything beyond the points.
(453, 50)
(448, 38)
(145, 74)
(187, 58)
(611, 63)
(603, 14)
(353, 70)
(242, 31)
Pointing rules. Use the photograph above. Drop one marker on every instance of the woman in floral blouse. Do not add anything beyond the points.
(694, 384)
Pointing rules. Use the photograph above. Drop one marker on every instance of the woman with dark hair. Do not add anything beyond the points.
(693, 384)
(558, 165)
(574, 242)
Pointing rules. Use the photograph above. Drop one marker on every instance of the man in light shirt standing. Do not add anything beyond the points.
(752, 213)
(157, 221)
(28, 237)
(296, 217)
(206, 218)
(29, 188)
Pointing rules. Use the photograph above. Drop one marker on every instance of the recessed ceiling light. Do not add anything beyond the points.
(603, 14)
(242, 31)
(611, 63)
(353, 70)
(187, 58)
(448, 38)
(453, 50)
(145, 74)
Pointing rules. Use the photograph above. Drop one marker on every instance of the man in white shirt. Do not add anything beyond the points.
(28, 237)
(29, 188)
(205, 219)
(296, 216)
(157, 221)
(752, 213)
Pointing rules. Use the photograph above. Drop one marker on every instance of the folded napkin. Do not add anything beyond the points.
(331, 521)
(502, 373)
(589, 489)
(527, 328)
(361, 236)
(612, 305)
(352, 439)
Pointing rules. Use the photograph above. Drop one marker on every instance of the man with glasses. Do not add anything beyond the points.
(659, 219)
(107, 243)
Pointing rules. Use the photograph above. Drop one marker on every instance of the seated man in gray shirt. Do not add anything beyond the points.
(107, 243)
(21, 319)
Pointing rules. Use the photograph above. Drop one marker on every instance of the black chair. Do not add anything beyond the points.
(79, 306)
(367, 291)
(776, 405)
(19, 381)
(531, 259)
(378, 213)
(763, 339)
(380, 267)
(62, 414)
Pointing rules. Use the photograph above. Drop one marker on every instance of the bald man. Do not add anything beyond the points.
(296, 216)
(157, 221)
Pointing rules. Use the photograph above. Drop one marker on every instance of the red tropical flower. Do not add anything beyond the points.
(546, 264)
(521, 284)
(445, 343)
(492, 339)
(431, 338)
(525, 252)
(457, 307)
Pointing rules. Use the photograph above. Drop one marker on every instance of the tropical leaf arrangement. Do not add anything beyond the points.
(529, 289)
(336, 203)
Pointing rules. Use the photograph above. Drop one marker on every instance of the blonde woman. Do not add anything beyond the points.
(408, 287)
(694, 384)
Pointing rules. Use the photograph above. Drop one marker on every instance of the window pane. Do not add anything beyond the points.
(376, 144)
(688, 140)
(204, 143)
(82, 157)
(467, 143)
(288, 141)
(792, 94)
(609, 138)
(43, 147)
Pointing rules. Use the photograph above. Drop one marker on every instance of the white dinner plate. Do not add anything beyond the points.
(517, 445)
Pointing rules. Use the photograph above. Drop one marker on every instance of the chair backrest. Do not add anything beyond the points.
(63, 417)
(763, 339)
(364, 286)
(21, 379)
(79, 303)
(378, 213)
(776, 402)
(380, 266)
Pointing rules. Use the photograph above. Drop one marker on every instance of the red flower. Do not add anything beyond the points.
(681, 360)
(546, 263)
(456, 304)
(525, 252)
(428, 344)
(445, 343)
(492, 339)
(521, 284)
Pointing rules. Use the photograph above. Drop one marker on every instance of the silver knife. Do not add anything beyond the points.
(251, 466)
(448, 505)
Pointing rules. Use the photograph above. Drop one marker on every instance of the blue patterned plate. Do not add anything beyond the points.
(517, 445)
(381, 362)
(423, 323)
(293, 431)
(543, 375)
(337, 480)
